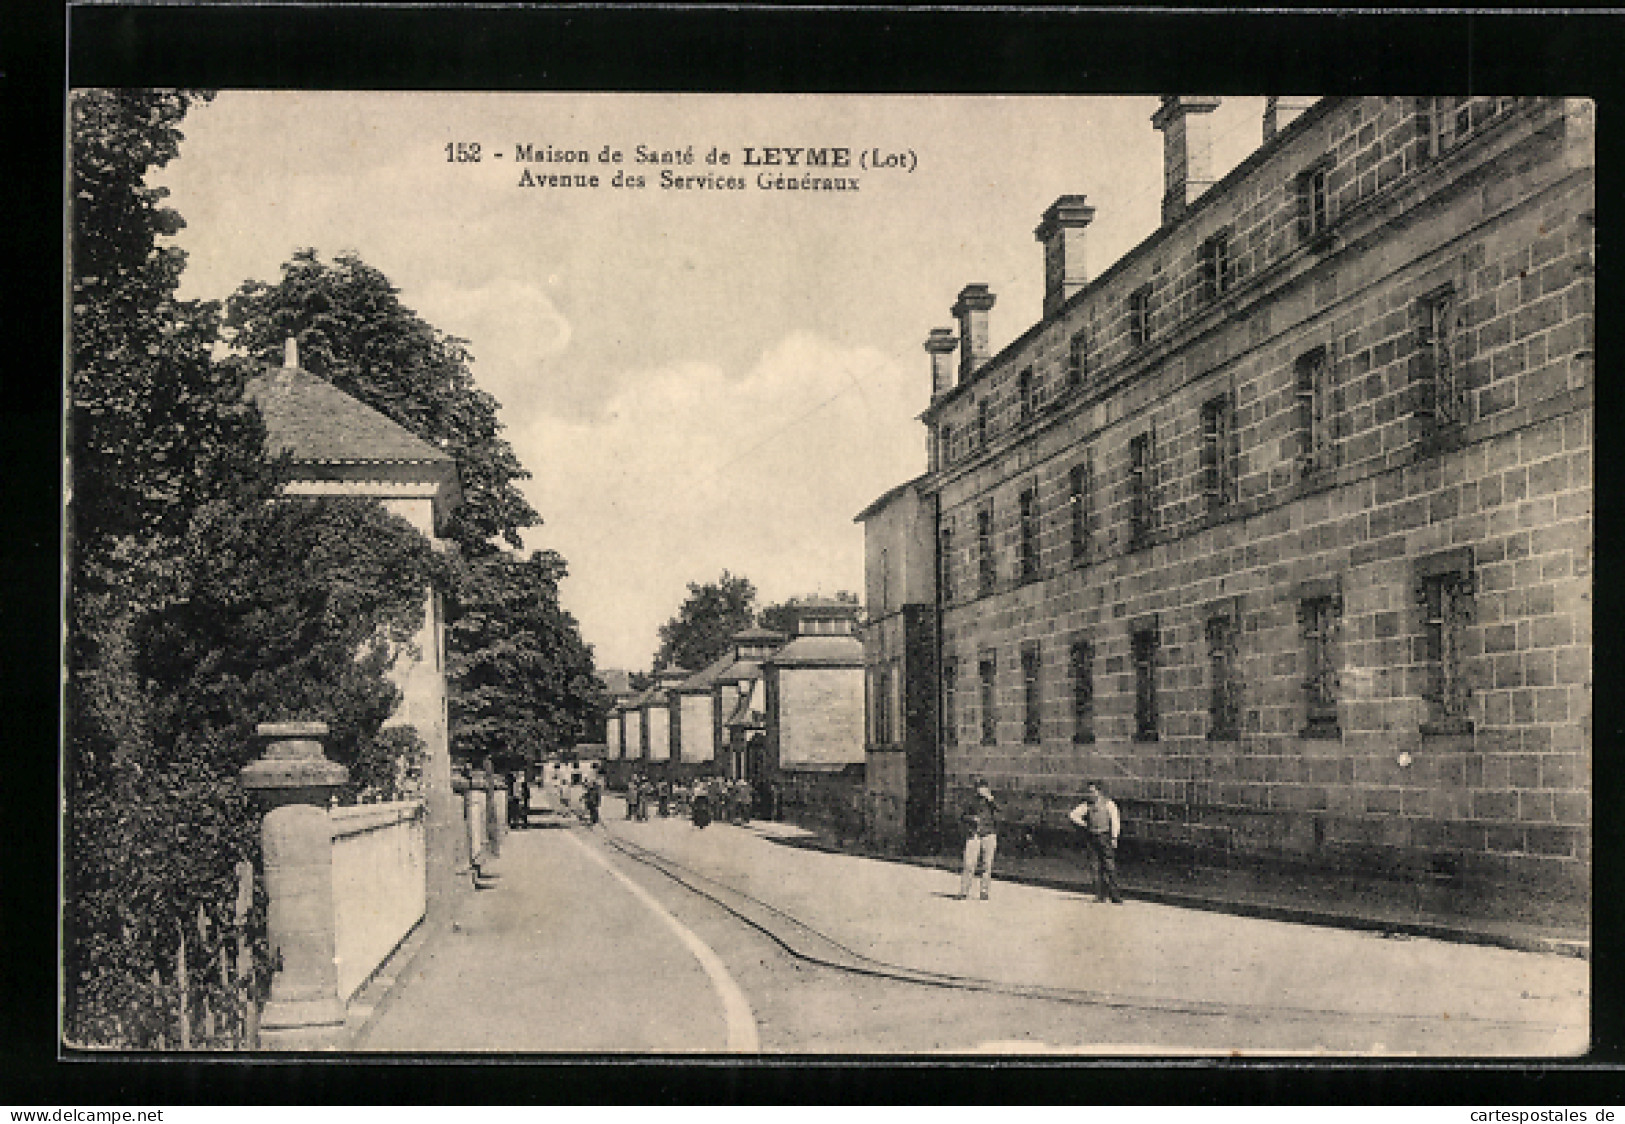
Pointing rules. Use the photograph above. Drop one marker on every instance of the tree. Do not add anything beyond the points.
(353, 331)
(523, 679)
(704, 626)
(155, 428)
(286, 610)
(783, 616)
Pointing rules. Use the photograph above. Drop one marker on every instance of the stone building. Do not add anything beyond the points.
(814, 711)
(338, 446)
(695, 721)
(740, 704)
(903, 770)
(1282, 524)
(654, 708)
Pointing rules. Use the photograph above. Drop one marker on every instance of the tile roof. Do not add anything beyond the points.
(818, 651)
(316, 422)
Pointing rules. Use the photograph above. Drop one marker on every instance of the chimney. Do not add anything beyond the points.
(971, 311)
(941, 343)
(1281, 112)
(1066, 269)
(290, 354)
(1187, 151)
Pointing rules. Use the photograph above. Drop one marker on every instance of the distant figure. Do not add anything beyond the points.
(590, 799)
(980, 820)
(519, 801)
(646, 797)
(1098, 818)
(664, 797)
(700, 805)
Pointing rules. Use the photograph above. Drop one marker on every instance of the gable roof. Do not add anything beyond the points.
(317, 423)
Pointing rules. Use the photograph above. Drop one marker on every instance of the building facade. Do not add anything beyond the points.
(903, 771)
(1282, 525)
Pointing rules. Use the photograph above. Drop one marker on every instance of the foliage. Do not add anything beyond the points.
(704, 626)
(155, 428)
(271, 605)
(782, 617)
(353, 331)
(523, 679)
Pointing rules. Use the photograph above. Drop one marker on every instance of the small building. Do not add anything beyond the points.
(656, 711)
(741, 704)
(814, 709)
(903, 772)
(339, 446)
(694, 722)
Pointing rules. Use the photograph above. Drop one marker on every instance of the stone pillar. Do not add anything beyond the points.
(295, 782)
(474, 805)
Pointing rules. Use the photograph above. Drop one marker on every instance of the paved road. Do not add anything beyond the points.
(732, 940)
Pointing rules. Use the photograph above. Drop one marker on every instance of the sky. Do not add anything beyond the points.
(698, 379)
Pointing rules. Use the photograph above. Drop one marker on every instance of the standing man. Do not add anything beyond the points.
(590, 799)
(980, 820)
(1098, 818)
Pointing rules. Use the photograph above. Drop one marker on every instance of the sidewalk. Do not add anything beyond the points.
(1039, 934)
(1367, 903)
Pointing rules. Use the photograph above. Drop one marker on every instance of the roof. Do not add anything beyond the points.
(818, 651)
(703, 679)
(886, 498)
(743, 715)
(738, 671)
(316, 422)
(616, 681)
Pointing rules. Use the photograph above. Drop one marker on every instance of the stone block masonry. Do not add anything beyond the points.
(1322, 522)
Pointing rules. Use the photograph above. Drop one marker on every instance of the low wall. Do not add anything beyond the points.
(379, 882)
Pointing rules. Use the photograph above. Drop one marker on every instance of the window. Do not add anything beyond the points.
(1215, 266)
(1140, 499)
(1077, 363)
(885, 579)
(945, 447)
(982, 411)
(1083, 692)
(1029, 534)
(1139, 316)
(990, 725)
(1224, 684)
(1218, 469)
(1314, 413)
(945, 564)
(877, 706)
(1031, 702)
(1443, 123)
(1439, 398)
(1028, 393)
(1078, 509)
(950, 708)
(894, 703)
(1313, 216)
(1318, 615)
(1145, 684)
(984, 551)
(1445, 591)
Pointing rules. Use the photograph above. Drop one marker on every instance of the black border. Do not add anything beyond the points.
(733, 48)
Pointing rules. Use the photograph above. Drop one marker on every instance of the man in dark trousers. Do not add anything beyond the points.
(1098, 818)
(980, 819)
(591, 799)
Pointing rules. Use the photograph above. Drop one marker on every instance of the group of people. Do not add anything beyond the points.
(1095, 816)
(706, 799)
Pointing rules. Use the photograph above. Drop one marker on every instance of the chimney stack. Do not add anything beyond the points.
(1281, 112)
(1066, 268)
(941, 343)
(290, 354)
(1187, 151)
(971, 311)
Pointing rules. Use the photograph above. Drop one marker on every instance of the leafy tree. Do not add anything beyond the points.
(523, 679)
(275, 603)
(155, 428)
(704, 626)
(353, 331)
(782, 617)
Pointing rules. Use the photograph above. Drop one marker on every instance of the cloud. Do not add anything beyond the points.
(691, 472)
(514, 328)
